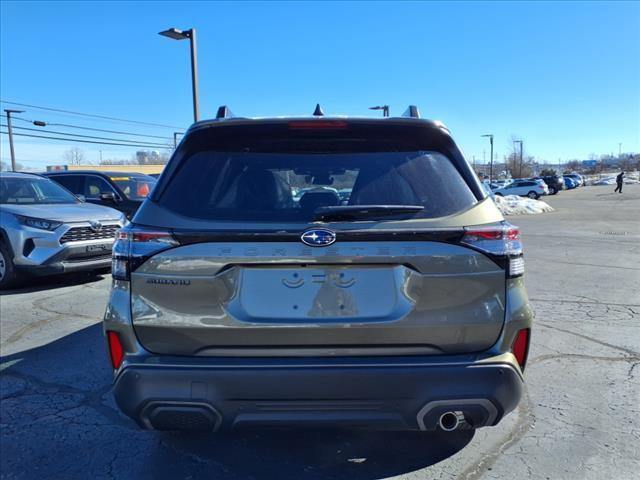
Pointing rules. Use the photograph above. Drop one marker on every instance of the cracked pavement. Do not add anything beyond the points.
(580, 418)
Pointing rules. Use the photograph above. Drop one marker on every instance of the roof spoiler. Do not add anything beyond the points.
(411, 112)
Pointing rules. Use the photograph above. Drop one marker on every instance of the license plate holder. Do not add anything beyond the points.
(308, 295)
(99, 248)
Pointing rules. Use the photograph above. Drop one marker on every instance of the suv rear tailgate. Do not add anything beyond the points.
(283, 298)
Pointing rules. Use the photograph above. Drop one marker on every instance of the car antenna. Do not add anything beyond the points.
(224, 112)
(411, 112)
(318, 111)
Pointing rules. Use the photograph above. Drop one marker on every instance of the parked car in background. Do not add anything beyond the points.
(501, 183)
(524, 188)
(578, 179)
(236, 304)
(554, 182)
(45, 229)
(570, 183)
(119, 190)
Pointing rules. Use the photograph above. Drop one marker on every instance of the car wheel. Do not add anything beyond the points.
(552, 191)
(8, 276)
(533, 195)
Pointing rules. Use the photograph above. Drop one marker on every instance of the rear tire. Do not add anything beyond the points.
(8, 274)
(552, 191)
(533, 195)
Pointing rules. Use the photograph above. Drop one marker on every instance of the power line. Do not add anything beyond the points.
(84, 136)
(84, 141)
(104, 117)
(94, 129)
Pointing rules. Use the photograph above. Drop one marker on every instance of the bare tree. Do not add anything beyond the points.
(5, 167)
(74, 156)
(627, 164)
(573, 166)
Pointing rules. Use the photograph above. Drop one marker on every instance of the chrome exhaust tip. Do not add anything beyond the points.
(450, 421)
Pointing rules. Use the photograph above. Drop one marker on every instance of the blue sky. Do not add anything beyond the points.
(565, 77)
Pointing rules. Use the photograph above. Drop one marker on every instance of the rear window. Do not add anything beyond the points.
(135, 187)
(276, 187)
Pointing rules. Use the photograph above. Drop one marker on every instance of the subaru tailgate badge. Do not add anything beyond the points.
(318, 237)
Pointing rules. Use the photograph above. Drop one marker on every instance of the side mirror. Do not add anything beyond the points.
(108, 196)
(81, 197)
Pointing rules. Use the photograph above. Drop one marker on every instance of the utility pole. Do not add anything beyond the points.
(490, 136)
(13, 154)
(100, 156)
(175, 139)
(619, 150)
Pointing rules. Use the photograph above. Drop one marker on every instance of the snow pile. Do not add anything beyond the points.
(514, 205)
(612, 181)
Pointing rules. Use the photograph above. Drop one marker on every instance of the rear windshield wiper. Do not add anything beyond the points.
(354, 212)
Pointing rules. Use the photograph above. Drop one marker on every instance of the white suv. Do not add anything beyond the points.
(524, 188)
(45, 229)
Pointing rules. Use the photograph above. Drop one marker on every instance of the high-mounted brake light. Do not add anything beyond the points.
(318, 125)
(116, 352)
(498, 241)
(520, 347)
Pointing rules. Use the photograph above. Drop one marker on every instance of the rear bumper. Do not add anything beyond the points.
(382, 393)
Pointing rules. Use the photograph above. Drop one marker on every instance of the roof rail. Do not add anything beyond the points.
(411, 112)
(224, 112)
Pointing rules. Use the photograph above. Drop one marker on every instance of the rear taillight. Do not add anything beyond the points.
(116, 352)
(520, 347)
(501, 242)
(136, 244)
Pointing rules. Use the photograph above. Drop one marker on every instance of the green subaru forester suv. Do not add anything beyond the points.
(318, 271)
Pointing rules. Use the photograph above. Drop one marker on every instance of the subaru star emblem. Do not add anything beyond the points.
(96, 226)
(318, 237)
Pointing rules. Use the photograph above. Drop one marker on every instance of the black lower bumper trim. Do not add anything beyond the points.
(375, 397)
(66, 266)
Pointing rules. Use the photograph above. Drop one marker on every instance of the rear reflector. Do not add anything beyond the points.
(520, 347)
(115, 349)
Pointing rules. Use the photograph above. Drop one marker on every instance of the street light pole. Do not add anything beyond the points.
(176, 34)
(10, 131)
(194, 73)
(490, 135)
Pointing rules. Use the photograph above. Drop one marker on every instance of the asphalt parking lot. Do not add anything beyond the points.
(579, 420)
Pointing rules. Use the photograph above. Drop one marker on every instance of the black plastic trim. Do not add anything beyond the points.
(188, 237)
(372, 396)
